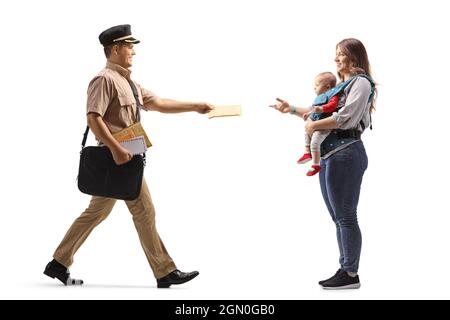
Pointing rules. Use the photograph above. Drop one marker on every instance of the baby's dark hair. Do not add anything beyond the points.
(328, 78)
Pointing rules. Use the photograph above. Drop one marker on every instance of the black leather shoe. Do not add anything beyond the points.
(54, 269)
(176, 277)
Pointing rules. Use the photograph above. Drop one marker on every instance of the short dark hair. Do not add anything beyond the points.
(108, 49)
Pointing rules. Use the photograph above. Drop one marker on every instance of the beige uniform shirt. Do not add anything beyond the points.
(110, 96)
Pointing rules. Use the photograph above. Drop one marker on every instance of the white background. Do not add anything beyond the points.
(231, 201)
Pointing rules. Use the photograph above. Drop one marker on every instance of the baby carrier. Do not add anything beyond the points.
(339, 137)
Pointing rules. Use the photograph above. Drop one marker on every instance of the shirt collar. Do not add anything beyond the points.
(123, 72)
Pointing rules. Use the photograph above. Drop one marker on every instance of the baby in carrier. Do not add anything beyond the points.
(324, 104)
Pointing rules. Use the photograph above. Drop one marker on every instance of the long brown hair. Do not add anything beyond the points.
(359, 61)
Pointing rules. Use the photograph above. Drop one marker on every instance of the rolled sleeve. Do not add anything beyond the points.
(356, 104)
(100, 92)
(148, 98)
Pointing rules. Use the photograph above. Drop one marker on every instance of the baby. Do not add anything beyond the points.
(325, 103)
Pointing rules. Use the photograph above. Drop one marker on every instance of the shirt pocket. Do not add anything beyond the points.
(127, 101)
(127, 110)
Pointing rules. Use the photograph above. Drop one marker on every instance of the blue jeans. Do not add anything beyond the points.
(340, 181)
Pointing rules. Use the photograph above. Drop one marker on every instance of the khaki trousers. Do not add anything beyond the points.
(143, 213)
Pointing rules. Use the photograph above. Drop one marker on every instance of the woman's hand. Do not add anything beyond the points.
(282, 106)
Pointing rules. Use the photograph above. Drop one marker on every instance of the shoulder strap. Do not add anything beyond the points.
(136, 96)
(84, 137)
(338, 89)
(372, 92)
(138, 109)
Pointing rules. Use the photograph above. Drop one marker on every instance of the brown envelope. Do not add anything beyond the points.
(223, 111)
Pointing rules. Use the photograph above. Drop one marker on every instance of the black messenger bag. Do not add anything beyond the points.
(99, 175)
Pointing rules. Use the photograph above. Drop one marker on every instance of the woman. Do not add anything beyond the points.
(344, 158)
